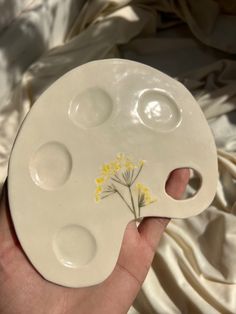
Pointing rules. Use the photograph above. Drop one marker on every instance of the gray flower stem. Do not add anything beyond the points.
(127, 204)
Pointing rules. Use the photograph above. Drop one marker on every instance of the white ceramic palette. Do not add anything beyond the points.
(95, 152)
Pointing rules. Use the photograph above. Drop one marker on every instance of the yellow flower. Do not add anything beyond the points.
(106, 170)
(98, 192)
(97, 198)
(99, 189)
(129, 165)
(142, 189)
(120, 157)
(123, 161)
(115, 167)
(122, 170)
(100, 180)
(147, 198)
(110, 169)
(139, 187)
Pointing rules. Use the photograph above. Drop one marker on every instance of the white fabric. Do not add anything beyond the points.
(10, 10)
(194, 270)
(39, 26)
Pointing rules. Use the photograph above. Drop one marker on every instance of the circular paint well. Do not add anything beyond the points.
(91, 108)
(74, 246)
(51, 165)
(158, 111)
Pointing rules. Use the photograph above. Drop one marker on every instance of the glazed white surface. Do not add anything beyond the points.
(90, 115)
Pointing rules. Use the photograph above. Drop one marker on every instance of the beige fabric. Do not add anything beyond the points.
(194, 270)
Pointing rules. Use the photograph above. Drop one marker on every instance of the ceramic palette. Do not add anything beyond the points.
(94, 153)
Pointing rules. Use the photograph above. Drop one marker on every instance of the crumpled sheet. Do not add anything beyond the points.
(194, 270)
(11, 9)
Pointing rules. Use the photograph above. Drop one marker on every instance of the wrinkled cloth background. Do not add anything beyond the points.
(194, 270)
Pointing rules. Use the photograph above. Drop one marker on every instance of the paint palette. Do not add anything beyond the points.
(94, 153)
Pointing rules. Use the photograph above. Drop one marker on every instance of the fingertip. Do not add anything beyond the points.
(177, 182)
(151, 230)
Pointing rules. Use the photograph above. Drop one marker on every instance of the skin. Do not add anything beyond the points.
(24, 291)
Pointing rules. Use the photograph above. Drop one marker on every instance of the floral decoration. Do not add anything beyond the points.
(123, 173)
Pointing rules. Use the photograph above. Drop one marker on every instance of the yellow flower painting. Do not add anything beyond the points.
(120, 173)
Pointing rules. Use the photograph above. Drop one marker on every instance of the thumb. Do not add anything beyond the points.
(151, 228)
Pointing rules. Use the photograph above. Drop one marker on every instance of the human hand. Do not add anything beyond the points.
(24, 291)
